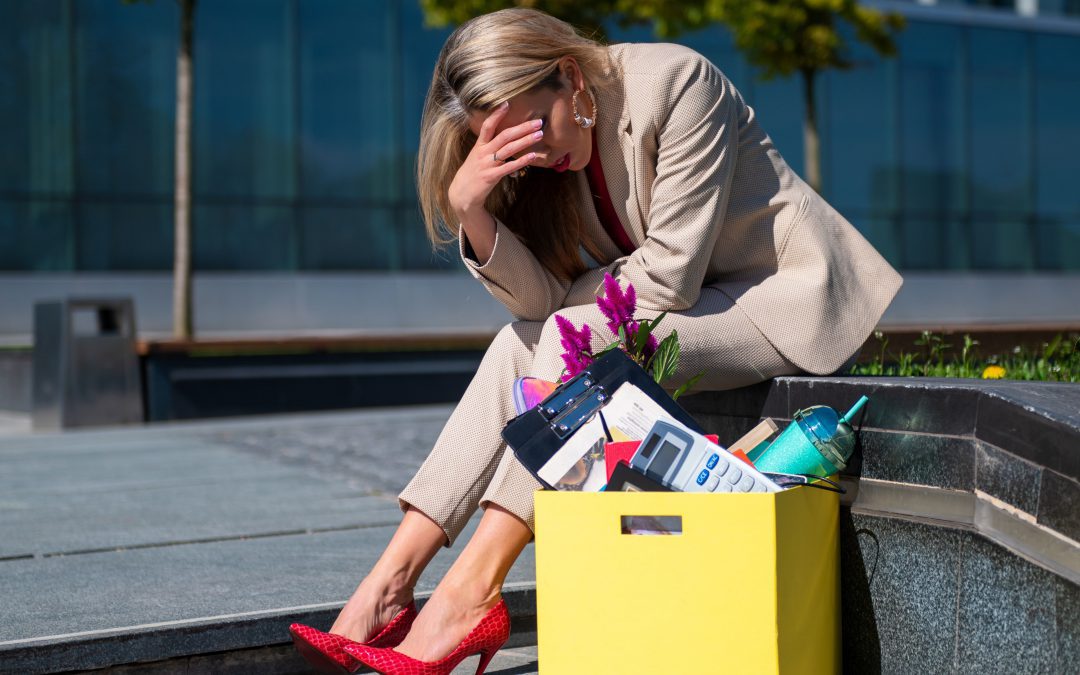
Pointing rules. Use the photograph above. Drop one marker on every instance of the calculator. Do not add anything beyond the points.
(686, 461)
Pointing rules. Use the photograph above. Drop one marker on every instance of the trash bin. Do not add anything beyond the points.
(85, 369)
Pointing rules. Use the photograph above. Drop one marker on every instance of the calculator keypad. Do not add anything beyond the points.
(721, 474)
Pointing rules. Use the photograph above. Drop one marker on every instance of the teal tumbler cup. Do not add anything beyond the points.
(818, 442)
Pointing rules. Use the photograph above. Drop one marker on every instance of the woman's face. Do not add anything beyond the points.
(565, 145)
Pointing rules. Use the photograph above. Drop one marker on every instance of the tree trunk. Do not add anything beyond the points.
(182, 303)
(811, 143)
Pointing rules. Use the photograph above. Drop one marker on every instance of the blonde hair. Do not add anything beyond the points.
(485, 61)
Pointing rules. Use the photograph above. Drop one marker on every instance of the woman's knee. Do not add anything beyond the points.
(524, 333)
(578, 315)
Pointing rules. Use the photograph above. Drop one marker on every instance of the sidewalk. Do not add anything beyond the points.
(13, 423)
(186, 541)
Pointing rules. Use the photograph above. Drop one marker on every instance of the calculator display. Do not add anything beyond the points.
(650, 445)
(665, 457)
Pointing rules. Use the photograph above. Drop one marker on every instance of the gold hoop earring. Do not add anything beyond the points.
(582, 121)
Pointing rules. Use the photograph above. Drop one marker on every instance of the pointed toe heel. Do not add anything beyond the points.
(485, 639)
(326, 651)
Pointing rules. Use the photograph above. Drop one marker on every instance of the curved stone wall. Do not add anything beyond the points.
(960, 527)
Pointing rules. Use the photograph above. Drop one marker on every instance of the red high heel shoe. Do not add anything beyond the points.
(486, 639)
(326, 651)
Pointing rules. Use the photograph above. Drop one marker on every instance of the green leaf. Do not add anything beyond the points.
(1054, 345)
(610, 348)
(686, 387)
(666, 359)
(645, 329)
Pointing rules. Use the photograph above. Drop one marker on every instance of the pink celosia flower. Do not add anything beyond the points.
(618, 308)
(578, 354)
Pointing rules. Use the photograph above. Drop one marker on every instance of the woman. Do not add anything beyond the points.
(639, 160)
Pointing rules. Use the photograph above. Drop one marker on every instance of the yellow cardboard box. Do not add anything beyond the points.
(751, 585)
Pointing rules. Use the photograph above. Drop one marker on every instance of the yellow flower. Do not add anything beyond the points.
(993, 373)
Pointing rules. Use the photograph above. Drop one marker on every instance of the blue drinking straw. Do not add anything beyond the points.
(854, 410)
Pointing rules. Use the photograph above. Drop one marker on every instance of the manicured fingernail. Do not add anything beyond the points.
(504, 105)
(532, 155)
(538, 134)
(538, 123)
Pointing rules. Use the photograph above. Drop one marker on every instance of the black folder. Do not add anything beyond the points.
(537, 434)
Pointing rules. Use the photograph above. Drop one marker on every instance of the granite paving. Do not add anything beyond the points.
(112, 533)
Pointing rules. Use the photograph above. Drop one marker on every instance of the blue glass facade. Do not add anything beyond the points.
(960, 154)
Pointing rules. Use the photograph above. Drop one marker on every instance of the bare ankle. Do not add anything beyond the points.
(476, 590)
(390, 588)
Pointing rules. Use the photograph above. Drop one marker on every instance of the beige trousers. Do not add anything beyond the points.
(470, 464)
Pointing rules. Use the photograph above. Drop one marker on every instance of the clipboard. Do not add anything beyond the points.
(537, 434)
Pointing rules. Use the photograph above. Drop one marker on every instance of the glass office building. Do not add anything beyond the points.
(963, 153)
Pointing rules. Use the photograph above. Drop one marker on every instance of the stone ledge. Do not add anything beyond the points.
(1017, 441)
(977, 512)
(959, 544)
(220, 635)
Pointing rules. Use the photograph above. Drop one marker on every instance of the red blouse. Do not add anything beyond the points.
(605, 210)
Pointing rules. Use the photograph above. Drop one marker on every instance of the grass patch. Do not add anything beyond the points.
(1055, 361)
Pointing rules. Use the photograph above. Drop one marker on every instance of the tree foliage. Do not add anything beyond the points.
(780, 37)
(586, 15)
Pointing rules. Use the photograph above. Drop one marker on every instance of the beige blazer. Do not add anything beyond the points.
(708, 201)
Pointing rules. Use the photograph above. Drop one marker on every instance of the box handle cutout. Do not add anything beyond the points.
(651, 525)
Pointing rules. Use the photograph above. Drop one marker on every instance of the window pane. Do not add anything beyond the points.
(1059, 7)
(125, 79)
(1000, 125)
(880, 232)
(35, 98)
(418, 52)
(858, 135)
(35, 236)
(779, 107)
(1057, 110)
(1057, 162)
(1001, 243)
(348, 238)
(347, 101)
(244, 135)
(932, 115)
(243, 237)
(125, 236)
(416, 253)
(935, 243)
(933, 182)
(1059, 243)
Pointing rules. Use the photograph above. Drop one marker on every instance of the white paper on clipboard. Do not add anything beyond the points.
(579, 464)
